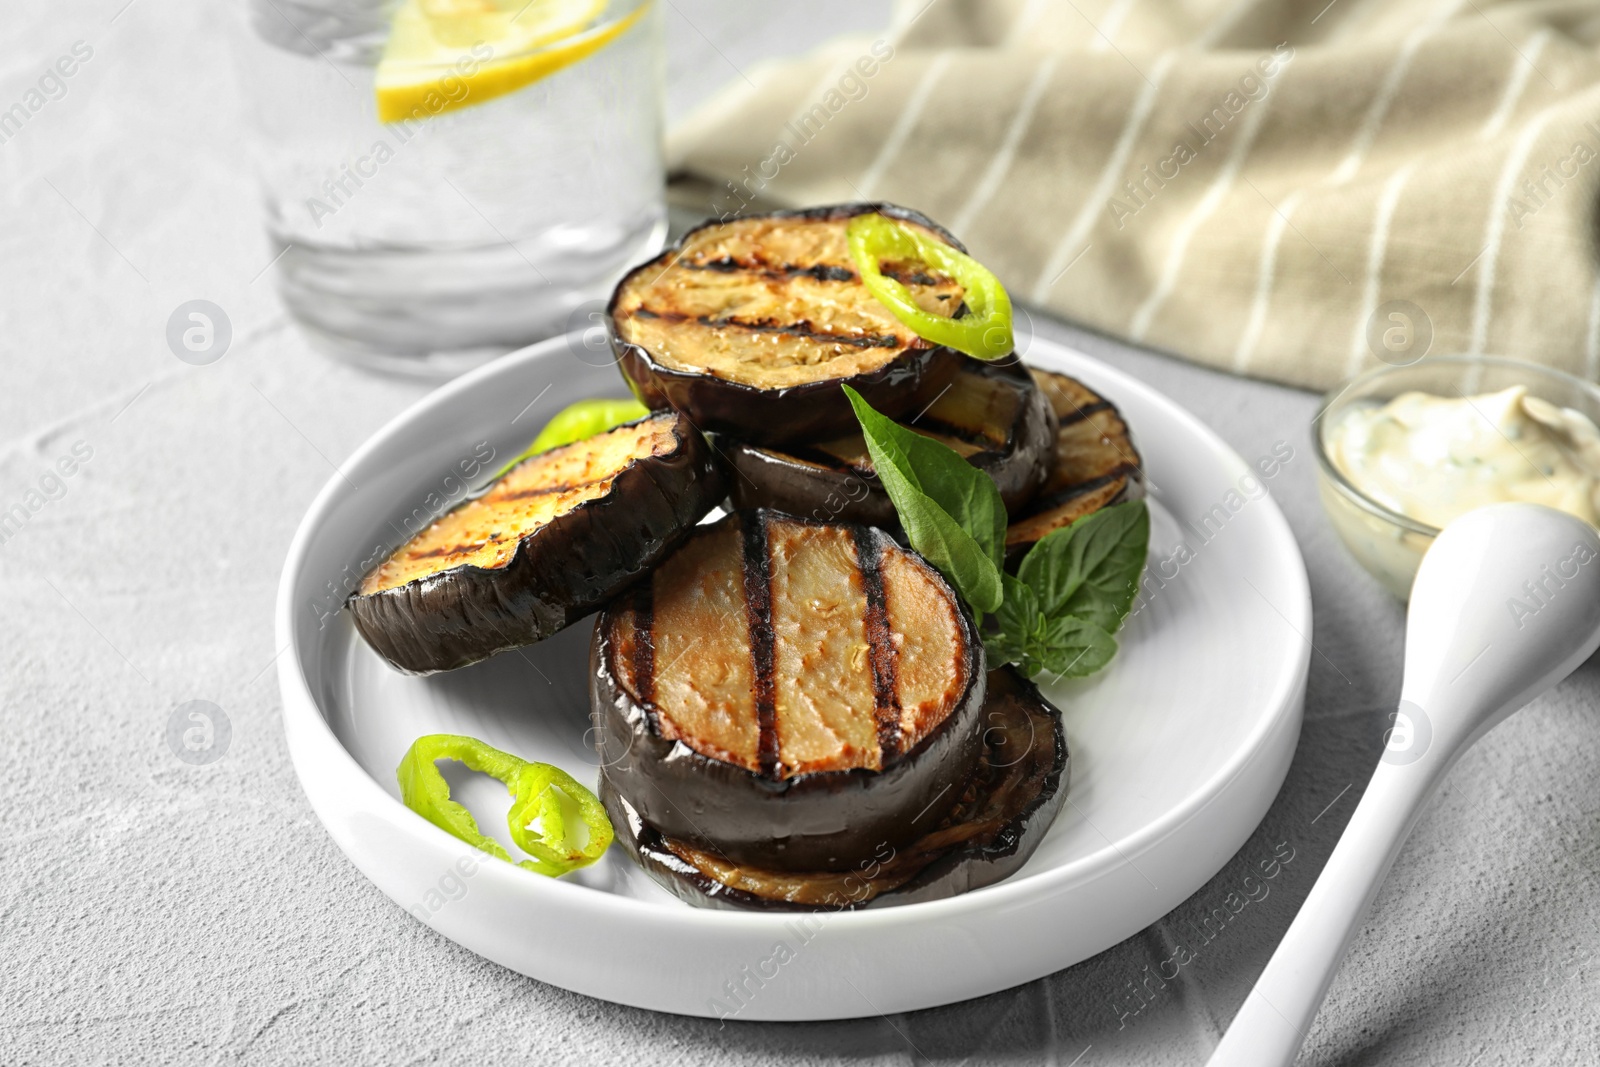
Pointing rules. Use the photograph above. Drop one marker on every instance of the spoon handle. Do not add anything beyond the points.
(1272, 1024)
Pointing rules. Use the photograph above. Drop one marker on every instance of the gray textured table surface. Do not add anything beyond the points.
(152, 911)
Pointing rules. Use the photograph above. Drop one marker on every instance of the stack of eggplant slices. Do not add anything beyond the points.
(831, 534)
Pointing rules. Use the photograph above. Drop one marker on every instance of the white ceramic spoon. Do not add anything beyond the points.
(1506, 604)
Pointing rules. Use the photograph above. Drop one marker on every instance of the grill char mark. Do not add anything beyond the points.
(880, 643)
(985, 447)
(965, 434)
(917, 277)
(533, 492)
(763, 660)
(1072, 492)
(644, 648)
(1081, 413)
(543, 490)
(822, 272)
(453, 550)
(802, 328)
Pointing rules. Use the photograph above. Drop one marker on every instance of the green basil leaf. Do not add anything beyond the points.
(1065, 646)
(966, 494)
(1019, 614)
(1090, 570)
(951, 511)
(1073, 648)
(938, 537)
(1019, 622)
(1001, 648)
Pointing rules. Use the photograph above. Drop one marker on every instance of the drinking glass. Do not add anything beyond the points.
(431, 210)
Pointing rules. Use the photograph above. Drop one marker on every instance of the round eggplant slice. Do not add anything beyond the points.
(1097, 464)
(555, 538)
(1007, 804)
(750, 327)
(992, 415)
(787, 693)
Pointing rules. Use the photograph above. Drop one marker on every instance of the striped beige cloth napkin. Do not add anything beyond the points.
(1292, 190)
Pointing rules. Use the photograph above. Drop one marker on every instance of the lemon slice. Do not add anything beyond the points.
(443, 55)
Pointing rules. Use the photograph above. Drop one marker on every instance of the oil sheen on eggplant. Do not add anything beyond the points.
(992, 414)
(1097, 464)
(750, 326)
(788, 693)
(550, 542)
(1007, 804)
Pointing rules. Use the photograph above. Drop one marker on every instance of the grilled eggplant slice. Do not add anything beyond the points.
(789, 694)
(554, 539)
(992, 414)
(750, 327)
(1006, 805)
(1097, 464)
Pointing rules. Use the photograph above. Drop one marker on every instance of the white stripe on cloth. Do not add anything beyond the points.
(1110, 23)
(1026, 20)
(1214, 195)
(1347, 169)
(1215, 32)
(1372, 122)
(1257, 319)
(1389, 199)
(1352, 25)
(1496, 230)
(1067, 250)
(1000, 165)
(1591, 362)
(1522, 67)
(1350, 20)
(1372, 288)
(1146, 313)
(901, 131)
(826, 82)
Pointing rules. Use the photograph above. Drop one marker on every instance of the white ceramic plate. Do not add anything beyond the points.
(1178, 748)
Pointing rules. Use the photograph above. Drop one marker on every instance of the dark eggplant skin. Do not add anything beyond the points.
(995, 858)
(767, 478)
(826, 820)
(809, 486)
(1024, 734)
(557, 575)
(810, 412)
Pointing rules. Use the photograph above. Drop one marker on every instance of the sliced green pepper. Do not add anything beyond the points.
(984, 332)
(537, 820)
(578, 421)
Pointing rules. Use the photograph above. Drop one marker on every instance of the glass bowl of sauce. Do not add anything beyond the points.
(1401, 451)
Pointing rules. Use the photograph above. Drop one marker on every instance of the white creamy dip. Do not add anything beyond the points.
(1435, 458)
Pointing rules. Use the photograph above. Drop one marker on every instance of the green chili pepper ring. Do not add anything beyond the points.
(984, 332)
(536, 789)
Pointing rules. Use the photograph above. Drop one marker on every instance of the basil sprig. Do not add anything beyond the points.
(1071, 593)
(1072, 590)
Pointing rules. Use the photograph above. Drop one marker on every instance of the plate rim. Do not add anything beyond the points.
(305, 709)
